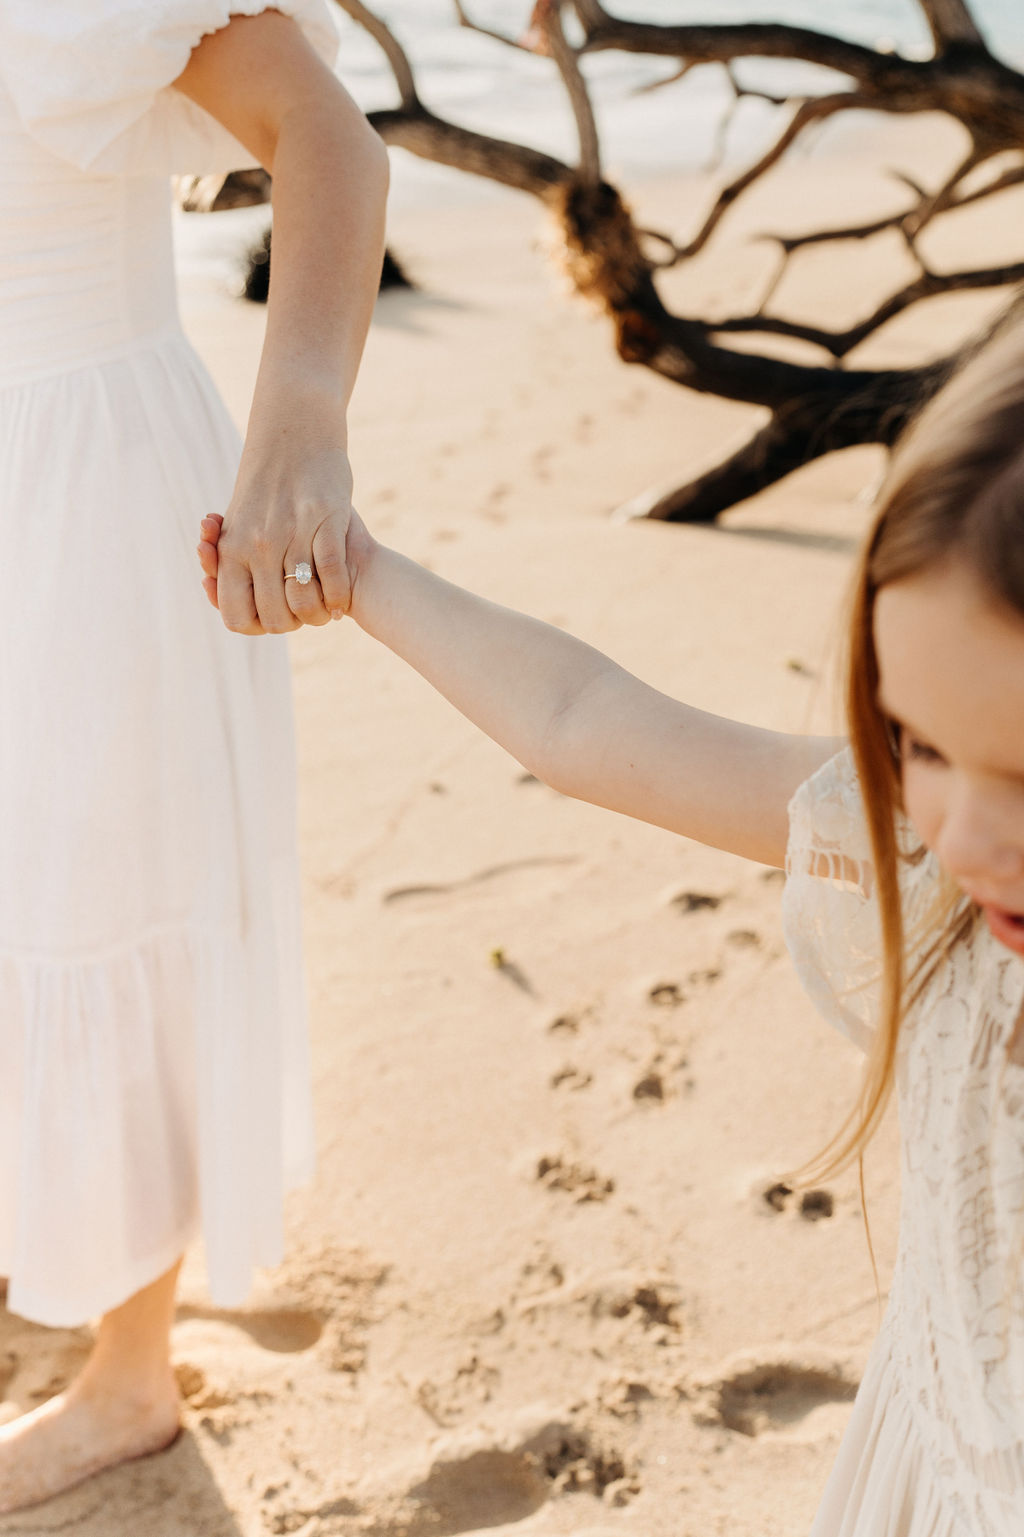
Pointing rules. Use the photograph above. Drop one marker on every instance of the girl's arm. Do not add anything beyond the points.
(577, 720)
(572, 716)
(292, 500)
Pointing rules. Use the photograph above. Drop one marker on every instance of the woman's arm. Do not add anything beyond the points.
(262, 80)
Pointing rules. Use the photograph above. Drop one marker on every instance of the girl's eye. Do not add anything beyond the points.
(916, 751)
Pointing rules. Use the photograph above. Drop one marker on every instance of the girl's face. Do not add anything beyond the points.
(951, 663)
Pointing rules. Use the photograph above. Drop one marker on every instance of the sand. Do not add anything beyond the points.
(560, 1058)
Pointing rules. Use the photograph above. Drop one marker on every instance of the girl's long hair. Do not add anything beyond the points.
(955, 492)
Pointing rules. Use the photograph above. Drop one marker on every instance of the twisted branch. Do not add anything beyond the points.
(813, 410)
(951, 23)
(840, 343)
(813, 111)
(391, 47)
(548, 16)
(464, 19)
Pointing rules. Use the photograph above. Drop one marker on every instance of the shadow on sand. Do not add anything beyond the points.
(162, 1496)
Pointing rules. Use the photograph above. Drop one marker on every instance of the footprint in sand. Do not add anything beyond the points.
(650, 1089)
(568, 1024)
(325, 1308)
(220, 1355)
(654, 1304)
(569, 1077)
(473, 1384)
(37, 1364)
(651, 1304)
(815, 1204)
(577, 1180)
(474, 1483)
(285, 1331)
(777, 1196)
(695, 902)
(777, 1392)
(743, 939)
(667, 995)
(812, 1206)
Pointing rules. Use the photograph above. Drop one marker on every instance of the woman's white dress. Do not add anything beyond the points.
(935, 1443)
(154, 1081)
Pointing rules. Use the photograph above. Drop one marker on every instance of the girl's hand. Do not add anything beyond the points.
(206, 549)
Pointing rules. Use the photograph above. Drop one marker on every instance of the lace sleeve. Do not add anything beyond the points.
(91, 79)
(829, 908)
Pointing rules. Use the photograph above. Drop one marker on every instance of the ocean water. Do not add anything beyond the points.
(500, 90)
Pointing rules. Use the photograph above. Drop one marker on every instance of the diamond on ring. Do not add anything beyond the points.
(303, 572)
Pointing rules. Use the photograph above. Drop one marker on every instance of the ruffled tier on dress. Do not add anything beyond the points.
(882, 1484)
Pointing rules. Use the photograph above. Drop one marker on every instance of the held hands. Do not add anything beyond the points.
(356, 543)
(291, 507)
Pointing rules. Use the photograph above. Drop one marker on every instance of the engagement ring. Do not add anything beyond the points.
(302, 574)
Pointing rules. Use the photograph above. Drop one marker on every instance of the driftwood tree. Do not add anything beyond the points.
(814, 408)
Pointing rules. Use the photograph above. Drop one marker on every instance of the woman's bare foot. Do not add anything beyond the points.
(123, 1405)
(79, 1433)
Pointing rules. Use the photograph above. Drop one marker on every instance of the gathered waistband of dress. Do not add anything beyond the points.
(13, 377)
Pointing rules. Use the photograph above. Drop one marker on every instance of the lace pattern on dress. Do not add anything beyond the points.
(956, 1313)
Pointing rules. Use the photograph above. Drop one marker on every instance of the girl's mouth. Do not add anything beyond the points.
(1005, 926)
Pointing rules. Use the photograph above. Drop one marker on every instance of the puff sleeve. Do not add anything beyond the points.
(829, 910)
(90, 79)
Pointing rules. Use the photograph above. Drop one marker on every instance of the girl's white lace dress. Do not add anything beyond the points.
(153, 1061)
(935, 1444)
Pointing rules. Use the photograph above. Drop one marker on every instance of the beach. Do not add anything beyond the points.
(550, 1278)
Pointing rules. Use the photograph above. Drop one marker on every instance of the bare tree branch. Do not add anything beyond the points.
(501, 160)
(813, 410)
(392, 48)
(986, 100)
(937, 202)
(1013, 177)
(465, 20)
(841, 343)
(950, 22)
(791, 243)
(813, 111)
(548, 16)
(769, 456)
(715, 44)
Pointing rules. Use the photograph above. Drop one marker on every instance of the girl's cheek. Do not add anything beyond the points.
(923, 801)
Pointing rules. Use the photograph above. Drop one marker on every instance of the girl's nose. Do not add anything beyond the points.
(976, 846)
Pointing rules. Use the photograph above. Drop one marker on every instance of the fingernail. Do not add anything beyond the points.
(337, 613)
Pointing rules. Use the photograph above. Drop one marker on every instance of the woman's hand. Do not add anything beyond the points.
(356, 548)
(291, 506)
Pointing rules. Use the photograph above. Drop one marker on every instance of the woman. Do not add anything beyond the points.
(153, 1073)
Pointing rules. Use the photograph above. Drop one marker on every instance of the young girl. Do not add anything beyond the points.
(153, 1073)
(904, 903)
